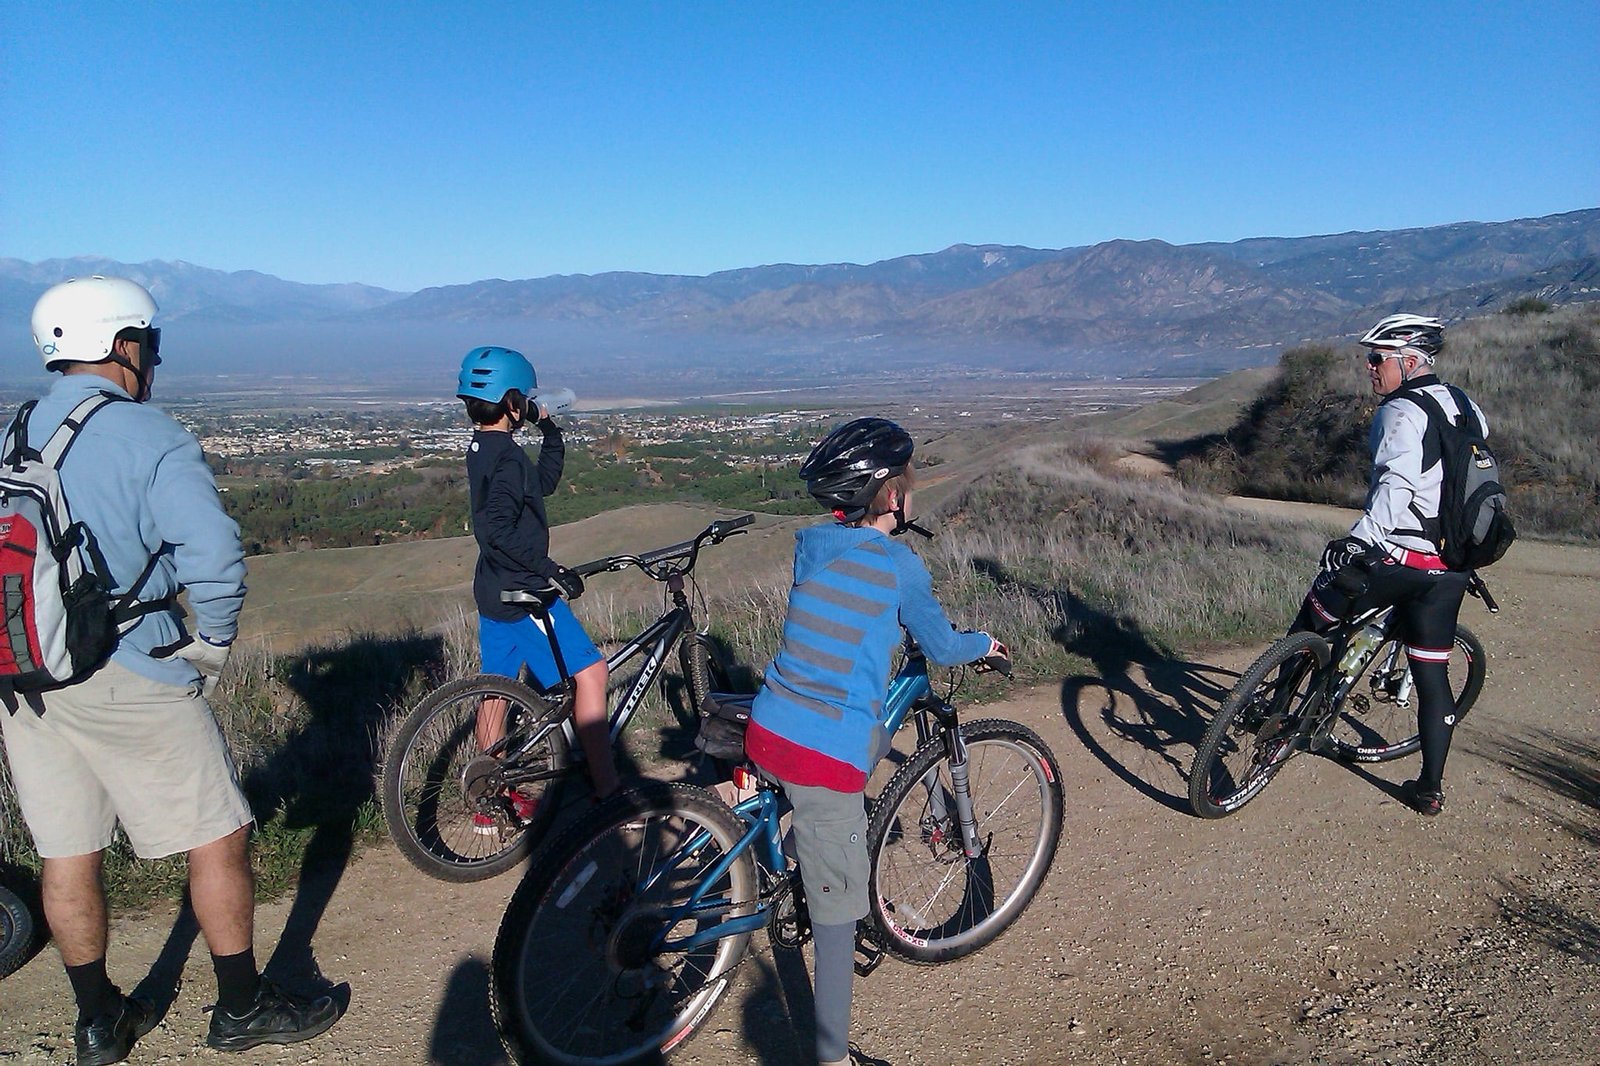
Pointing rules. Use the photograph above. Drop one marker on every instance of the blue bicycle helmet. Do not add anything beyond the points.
(489, 372)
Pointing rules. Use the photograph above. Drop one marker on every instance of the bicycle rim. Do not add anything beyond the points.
(578, 977)
(434, 785)
(1372, 726)
(930, 901)
(1259, 727)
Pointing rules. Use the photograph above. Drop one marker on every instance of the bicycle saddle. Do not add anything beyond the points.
(537, 601)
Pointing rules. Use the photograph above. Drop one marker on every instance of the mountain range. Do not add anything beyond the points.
(1116, 307)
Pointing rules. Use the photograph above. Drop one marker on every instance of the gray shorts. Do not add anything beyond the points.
(830, 840)
(119, 747)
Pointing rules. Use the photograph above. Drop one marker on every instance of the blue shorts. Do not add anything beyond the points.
(506, 647)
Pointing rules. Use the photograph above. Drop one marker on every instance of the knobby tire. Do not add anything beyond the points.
(16, 931)
(929, 901)
(1258, 727)
(425, 797)
(574, 980)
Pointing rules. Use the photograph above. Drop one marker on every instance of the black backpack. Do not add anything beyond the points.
(1475, 528)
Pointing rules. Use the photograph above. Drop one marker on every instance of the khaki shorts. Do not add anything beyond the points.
(119, 747)
(830, 840)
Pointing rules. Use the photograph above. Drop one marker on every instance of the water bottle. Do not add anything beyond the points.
(1370, 637)
(556, 400)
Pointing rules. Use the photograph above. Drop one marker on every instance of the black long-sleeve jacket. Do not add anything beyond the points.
(508, 518)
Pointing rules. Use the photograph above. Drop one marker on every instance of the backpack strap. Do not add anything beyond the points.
(15, 451)
(55, 449)
(128, 608)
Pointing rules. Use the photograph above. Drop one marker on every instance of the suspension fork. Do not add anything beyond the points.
(960, 785)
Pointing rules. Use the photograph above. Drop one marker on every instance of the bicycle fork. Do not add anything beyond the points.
(960, 785)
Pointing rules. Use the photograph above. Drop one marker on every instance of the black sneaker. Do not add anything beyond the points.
(277, 1017)
(1429, 802)
(109, 1037)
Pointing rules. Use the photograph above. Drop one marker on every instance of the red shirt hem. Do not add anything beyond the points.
(799, 765)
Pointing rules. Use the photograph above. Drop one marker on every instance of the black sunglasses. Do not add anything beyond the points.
(1377, 358)
(149, 341)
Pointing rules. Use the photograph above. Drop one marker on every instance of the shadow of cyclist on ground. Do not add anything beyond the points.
(322, 777)
(316, 780)
(1159, 715)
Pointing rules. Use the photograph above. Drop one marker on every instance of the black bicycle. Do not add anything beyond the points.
(1347, 694)
(461, 810)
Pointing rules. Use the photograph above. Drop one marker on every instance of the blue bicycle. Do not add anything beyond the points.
(625, 933)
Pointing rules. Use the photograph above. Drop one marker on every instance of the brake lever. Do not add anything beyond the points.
(913, 527)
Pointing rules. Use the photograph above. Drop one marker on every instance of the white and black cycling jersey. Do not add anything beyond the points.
(1402, 509)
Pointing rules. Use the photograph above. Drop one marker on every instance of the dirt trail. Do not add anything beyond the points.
(1325, 923)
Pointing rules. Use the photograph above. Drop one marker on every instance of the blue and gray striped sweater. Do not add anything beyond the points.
(854, 588)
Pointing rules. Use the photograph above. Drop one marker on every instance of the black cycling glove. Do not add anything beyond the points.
(568, 581)
(1342, 552)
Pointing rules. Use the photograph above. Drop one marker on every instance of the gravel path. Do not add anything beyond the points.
(1325, 923)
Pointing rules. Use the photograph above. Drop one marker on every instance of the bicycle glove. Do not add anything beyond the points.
(568, 581)
(1342, 552)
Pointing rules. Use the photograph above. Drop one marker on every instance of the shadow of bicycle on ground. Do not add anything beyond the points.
(1143, 710)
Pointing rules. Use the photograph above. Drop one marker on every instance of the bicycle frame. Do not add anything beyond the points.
(909, 691)
(655, 641)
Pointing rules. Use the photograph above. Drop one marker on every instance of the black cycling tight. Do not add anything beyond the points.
(1426, 603)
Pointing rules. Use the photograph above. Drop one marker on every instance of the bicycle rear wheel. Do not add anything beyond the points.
(580, 975)
(1373, 726)
(931, 902)
(446, 804)
(1259, 726)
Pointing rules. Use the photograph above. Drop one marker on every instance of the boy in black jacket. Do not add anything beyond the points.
(513, 535)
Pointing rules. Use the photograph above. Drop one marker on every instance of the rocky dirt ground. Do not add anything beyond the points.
(1324, 924)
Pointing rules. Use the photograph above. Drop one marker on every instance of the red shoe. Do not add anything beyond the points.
(483, 825)
(521, 805)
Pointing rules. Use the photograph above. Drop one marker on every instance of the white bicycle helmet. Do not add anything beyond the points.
(76, 321)
(1422, 335)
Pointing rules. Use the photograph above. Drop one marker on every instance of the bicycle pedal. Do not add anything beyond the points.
(869, 951)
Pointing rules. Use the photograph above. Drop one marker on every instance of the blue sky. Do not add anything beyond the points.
(411, 144)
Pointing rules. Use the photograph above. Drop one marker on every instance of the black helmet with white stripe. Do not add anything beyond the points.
(1423, 335)
(848, 466)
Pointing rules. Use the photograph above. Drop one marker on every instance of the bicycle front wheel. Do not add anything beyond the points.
(1259, 727)
(16, 932)
(1375, 726)
(448, 806)
(929, 900)
(592, 965)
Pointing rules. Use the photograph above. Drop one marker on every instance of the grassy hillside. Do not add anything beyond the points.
(1536, 375)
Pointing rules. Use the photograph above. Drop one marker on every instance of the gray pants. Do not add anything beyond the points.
(830, 839)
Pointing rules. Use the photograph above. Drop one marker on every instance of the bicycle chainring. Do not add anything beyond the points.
(788, 920)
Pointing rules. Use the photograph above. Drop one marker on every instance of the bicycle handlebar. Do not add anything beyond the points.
(651, 562)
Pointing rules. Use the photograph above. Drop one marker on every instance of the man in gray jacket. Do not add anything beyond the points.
(135, 742)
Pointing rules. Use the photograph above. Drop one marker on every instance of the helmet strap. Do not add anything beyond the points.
(123, 361)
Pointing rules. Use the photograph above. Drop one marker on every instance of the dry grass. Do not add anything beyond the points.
(1536, 376)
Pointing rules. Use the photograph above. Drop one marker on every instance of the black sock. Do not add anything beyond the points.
(95, 993)
(237, 981)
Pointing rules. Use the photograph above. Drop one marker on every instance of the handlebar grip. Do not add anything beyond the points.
(731, 525)
(998, 664)
(596, 566)
(1481, 590)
